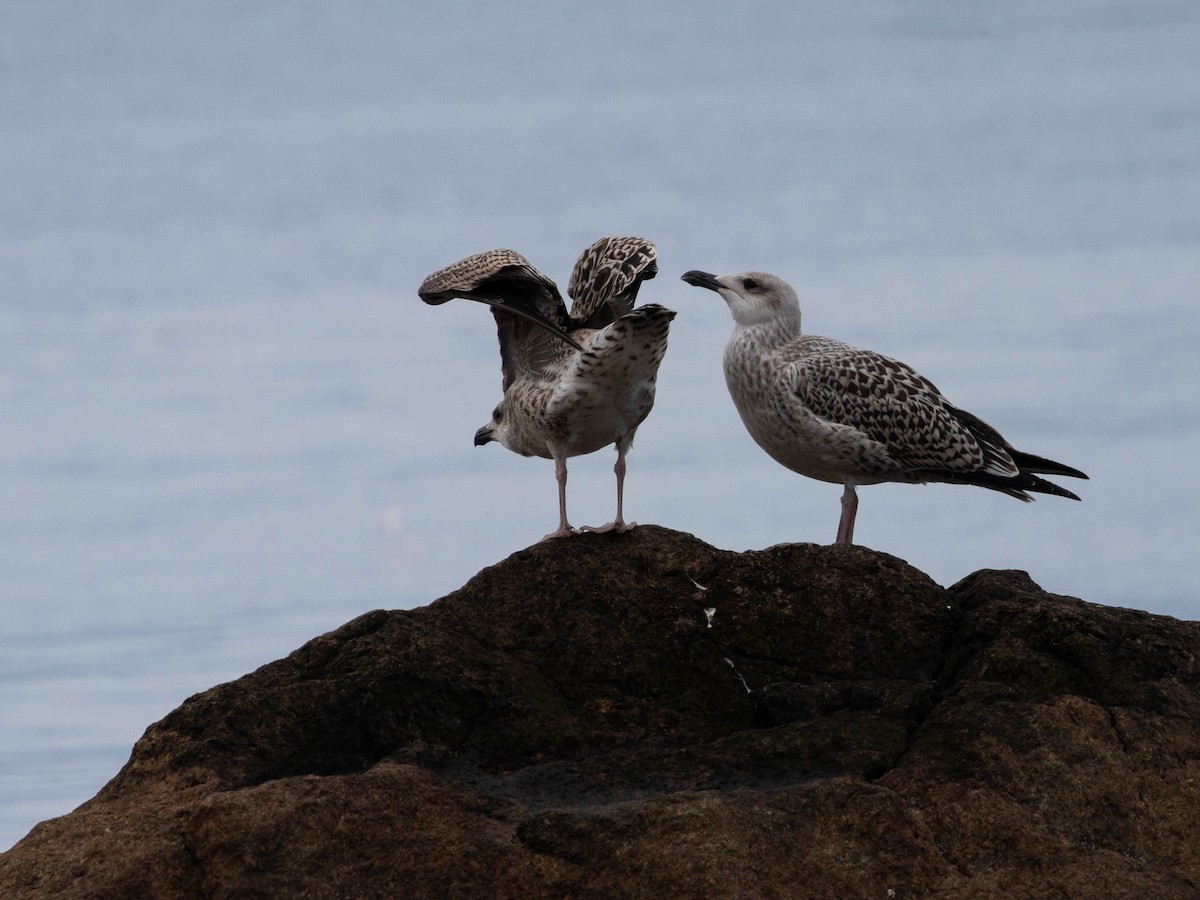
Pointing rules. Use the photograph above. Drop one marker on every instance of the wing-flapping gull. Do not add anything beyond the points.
(576, 381)
(848, 416)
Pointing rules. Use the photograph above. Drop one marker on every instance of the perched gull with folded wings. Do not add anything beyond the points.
(837, 413)
(573, 383)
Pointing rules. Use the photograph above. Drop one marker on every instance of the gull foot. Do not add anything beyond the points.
(614, 527)
(561, 533)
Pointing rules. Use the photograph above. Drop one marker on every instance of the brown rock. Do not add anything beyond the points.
(570, 724)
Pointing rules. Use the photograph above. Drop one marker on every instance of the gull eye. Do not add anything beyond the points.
(750, 284)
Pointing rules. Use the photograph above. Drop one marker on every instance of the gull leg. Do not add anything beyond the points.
(560, 474)
(619, 469)
(845, 534)
(619, 525)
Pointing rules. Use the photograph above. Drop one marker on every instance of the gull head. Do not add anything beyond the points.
(496, 429)
(754, 298)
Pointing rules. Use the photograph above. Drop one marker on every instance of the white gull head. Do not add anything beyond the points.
(754, 298)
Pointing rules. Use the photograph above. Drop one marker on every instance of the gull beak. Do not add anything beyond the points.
(484, 436)
(702, 279)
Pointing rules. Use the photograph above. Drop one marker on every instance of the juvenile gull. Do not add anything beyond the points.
(837, 413)
(573, 382)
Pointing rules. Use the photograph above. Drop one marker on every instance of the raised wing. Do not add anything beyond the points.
(606, 278)
(506, 281)
(531, 318)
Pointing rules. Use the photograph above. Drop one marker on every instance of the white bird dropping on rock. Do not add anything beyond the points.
(573, 383)
(848, 416)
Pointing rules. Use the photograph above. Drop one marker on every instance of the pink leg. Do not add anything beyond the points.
(619, 525)
(845, 534)
(564, 527)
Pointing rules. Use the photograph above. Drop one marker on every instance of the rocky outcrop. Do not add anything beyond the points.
(643, 714)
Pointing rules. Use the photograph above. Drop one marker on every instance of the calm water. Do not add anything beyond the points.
(228, 424)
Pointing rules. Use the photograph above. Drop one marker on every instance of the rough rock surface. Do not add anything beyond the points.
(573, 723)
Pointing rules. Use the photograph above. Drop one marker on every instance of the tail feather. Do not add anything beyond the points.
(1027, 462)
(1042, 486)
(1015, 486)
(997, 450)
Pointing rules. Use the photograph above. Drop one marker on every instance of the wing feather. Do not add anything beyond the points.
(893, 404)
(531, 319)
(606, 277)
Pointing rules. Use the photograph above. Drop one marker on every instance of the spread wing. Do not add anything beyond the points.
(531, 318)
(606, 278)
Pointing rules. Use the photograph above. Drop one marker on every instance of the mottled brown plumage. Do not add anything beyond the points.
(573, 382)
(606, 277)
(836, 413)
